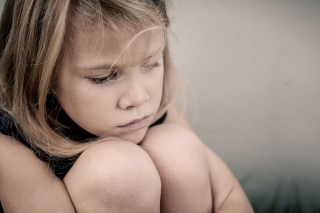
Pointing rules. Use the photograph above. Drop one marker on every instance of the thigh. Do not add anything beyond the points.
(114, 176)
(181, 161)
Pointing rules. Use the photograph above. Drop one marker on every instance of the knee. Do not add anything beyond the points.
(114, 175)
(178, 154)
(172, 141)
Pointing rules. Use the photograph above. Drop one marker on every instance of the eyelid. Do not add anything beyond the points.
(103, 72)
(116, 74)
(150, 65)
(113, 76)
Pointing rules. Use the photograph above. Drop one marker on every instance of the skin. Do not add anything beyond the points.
(165, 168)
(134, 93)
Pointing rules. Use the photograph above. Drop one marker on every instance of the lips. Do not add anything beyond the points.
(136, 124)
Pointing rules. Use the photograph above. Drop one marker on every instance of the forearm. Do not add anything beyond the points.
(28, 184)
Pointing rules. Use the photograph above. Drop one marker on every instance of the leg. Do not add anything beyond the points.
(114, 176)
(181, 161)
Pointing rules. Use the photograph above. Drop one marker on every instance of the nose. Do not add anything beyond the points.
(134, 95)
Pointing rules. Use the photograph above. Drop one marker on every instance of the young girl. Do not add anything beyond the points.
(87, 121)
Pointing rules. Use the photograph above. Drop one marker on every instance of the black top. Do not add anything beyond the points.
(60, 166)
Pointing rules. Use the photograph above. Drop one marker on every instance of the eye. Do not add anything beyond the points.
(151, 66)
(112, 77)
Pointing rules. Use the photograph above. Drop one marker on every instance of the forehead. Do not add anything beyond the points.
(95, 45)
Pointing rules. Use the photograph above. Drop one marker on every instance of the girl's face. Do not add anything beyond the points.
(105, 100)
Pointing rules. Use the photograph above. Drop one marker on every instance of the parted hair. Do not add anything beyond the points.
(33, 34)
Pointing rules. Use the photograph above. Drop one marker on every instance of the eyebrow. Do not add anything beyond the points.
(100, 67)
(108, 66)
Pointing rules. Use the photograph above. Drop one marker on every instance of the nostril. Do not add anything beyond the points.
(129, 107)
(134, 97)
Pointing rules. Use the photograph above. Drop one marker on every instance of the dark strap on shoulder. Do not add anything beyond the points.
(6, 124)
(159, 121)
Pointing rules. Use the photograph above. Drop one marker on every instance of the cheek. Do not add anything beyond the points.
(88, 99)
(159, 90)
(74, 95)
(89, 108)
(159, 84)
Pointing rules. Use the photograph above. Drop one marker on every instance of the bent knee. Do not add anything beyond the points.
(175, 141)
(177, 152)
(113, 174)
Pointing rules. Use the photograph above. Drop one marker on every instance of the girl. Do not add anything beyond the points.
(87, 120)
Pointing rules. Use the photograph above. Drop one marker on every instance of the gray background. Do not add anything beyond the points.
(254, 68)
(255, 71)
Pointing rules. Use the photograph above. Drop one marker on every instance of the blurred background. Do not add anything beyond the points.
(254, 66)
(255, 70)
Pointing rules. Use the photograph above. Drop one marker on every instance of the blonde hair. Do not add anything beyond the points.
(33, 34)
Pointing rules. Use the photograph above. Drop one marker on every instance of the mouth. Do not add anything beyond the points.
(136, 124)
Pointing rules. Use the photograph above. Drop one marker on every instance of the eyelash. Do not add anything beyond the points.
(151, 66)
(116, 75)
(112, 77)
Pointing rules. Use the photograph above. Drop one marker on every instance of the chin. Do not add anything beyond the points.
(136, 136)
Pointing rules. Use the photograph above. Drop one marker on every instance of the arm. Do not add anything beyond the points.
(227, 192)
(28, 184)
(228, 195)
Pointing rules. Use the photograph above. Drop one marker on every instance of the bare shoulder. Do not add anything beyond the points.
(28, 183)
(174, 116)
(174, 127)
(4, 139)
(10, 145)
(15, 157)
(13, 152)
